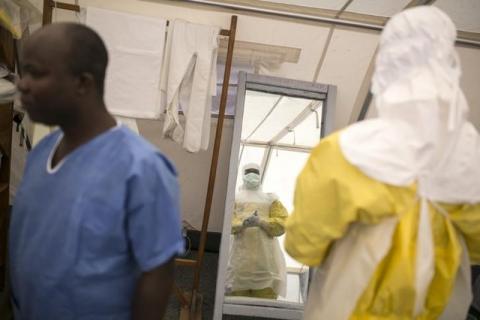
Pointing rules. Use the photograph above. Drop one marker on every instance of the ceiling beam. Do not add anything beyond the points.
(275, 105)
(328, 41)
(363, 99)
(415, 3)
(312, 107)
(280, 146)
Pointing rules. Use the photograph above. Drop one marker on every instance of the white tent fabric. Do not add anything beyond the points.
(346, 65)
(348, 55)
(267, 116)
(385, 8)
(464, 13)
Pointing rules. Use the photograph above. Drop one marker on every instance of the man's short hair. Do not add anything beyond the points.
(88, 53)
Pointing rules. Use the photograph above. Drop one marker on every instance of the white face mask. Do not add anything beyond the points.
(251, 180)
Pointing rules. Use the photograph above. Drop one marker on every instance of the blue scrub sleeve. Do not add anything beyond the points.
(154, 227)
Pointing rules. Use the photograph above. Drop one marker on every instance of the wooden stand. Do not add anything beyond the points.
(192, 313)
(191, 302)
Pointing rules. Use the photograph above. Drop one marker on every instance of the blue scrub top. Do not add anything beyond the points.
(82, 232)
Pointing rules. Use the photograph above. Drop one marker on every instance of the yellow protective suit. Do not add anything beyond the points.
(256, 266)
(332, 196)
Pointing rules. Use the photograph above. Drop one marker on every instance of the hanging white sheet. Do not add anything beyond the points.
(190, 77)
(135, 46)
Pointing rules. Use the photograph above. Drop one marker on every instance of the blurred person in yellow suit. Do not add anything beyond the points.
(256, 266)
(389, 208)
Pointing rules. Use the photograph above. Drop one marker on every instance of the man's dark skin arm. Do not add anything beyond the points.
(152, 292)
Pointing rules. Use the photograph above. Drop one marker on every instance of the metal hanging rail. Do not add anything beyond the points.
(336, 21)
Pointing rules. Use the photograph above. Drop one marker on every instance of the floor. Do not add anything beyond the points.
(184, 279)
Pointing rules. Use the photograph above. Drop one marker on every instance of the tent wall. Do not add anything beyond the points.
(470, 59)
(346, 62)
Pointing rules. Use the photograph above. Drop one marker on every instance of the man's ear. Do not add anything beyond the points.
(86, 83)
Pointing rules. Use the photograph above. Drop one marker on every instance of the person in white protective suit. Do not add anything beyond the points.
(389, 208)
(256, 266)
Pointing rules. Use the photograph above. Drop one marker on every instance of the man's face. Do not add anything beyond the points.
(47, 87)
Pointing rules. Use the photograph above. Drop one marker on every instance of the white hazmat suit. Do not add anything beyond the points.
(256, 266)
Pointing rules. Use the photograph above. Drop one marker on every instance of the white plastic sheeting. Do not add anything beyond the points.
(267, 115)
(464, 13)
(384, 8)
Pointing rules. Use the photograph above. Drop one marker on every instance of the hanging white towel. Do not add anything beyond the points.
(135, 46)
(190, 78)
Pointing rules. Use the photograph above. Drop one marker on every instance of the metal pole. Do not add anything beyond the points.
(365, 106)
(336, 21)
(290, 14)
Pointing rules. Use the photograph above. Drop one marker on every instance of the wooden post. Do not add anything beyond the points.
(47, 12)
(216, 154)
(7, 56)
(49, 5)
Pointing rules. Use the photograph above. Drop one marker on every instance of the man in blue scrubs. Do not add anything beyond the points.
(95, 225)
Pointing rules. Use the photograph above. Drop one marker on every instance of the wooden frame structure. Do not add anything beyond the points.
(8, 58)
(191, 302)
